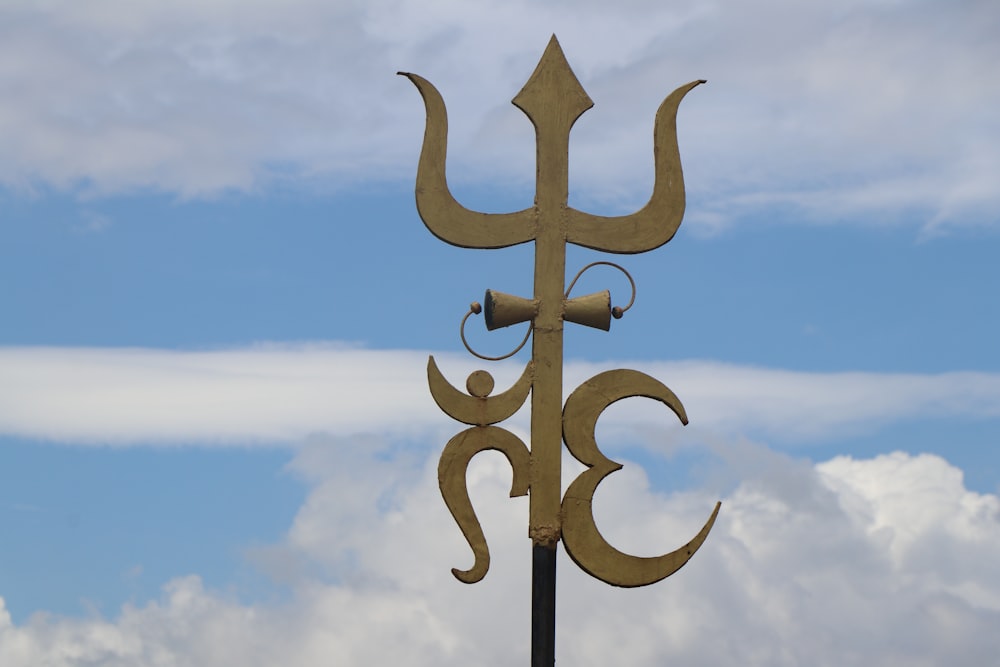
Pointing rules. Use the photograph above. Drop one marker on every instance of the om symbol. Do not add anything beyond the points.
(583, 541)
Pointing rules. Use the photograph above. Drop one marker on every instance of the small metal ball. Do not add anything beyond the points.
(617, 312)
(479, 384)
(475, 307)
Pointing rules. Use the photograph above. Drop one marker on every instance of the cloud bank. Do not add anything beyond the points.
(867, 110)
(279, 394)
(883, 561)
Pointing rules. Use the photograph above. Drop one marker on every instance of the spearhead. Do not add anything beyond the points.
(553, 98)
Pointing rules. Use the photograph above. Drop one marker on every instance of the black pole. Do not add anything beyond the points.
(543, 605)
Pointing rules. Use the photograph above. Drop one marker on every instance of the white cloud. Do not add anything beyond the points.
(867, 110)
(265, 394)
(794, 405)
(884, 561)
(278, 394)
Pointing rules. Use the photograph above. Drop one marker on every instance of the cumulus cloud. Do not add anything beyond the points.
(867, 110)
(824, 565)
(279, 394)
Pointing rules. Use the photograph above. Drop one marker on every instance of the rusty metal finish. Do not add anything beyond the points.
(552, 99)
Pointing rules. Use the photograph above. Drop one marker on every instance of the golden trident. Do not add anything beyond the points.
(552, 99)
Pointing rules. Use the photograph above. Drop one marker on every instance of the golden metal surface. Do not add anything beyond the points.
(503, 310)
(656, 222)
(478, 407)
(445, 217)
(552, 99)
(451, 478)
(590, 310)
(584, 542)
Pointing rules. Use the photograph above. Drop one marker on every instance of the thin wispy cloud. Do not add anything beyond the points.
(278, 394)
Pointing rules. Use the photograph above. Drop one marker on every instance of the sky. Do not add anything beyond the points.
(217, 301)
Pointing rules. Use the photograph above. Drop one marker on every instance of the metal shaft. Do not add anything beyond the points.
(543, 606)
(552, 124)
(553, 99)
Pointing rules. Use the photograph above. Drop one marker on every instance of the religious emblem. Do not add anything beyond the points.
(552, 99)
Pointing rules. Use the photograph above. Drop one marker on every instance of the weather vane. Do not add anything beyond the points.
(552, 99)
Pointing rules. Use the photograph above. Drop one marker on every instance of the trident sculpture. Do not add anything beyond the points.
(552, 99)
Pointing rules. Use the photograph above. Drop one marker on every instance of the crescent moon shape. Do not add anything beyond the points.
(475, 410)
(444, 216)
(584, 542)
(451, 478)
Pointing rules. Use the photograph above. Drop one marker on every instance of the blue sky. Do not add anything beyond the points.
(217, 301)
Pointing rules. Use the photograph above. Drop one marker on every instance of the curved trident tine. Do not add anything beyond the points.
(656, 222)
(446, 218)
